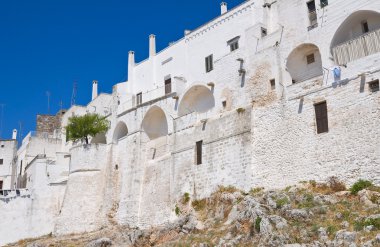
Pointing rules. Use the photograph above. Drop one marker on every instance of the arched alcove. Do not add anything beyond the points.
(304, 63)
(120, 131)
(197, 99)
(358, 36)
(155, 123)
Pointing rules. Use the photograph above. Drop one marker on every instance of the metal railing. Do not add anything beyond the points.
(362, 46)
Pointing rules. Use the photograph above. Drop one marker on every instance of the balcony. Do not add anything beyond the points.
(357, 48)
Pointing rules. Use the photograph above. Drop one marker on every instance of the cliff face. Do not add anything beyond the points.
(309, 214)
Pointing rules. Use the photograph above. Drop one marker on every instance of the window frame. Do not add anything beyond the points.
(209, 61)
(198, 152)
(168, 85)
(139, 99)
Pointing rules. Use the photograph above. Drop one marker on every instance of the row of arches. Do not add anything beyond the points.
(198, 98)
(357, 37)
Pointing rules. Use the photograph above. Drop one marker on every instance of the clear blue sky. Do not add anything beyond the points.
(46, 45)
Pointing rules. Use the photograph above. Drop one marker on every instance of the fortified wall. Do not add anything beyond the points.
(265, 95)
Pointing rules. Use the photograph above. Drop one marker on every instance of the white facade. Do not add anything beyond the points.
(251, 111)
(8, 150)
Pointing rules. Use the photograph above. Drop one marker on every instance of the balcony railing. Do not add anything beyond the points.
(360, 47)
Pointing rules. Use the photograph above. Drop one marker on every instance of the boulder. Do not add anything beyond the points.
(102, 242)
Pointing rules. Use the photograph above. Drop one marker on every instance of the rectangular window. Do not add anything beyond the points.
(233, 43)
(168, 85)
(373, 86)
(311, 6)
(272, 84)
(365, 27)
(2, 146)
(139, 99)
(198, 152)
(1, 161)
(264, 32)
(20, 167)
(324, 3)
(1, 185)
(310, 58)
(321, 117)
(209, 63)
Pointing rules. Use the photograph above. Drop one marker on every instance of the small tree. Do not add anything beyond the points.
(81, 127)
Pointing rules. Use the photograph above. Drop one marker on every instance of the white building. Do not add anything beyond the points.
(8, 150)
(267, 94)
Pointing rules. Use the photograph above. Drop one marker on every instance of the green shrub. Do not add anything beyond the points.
(177, 210)
(359, 225)
(257, 190)
(331, 230)
(360, 185)
(186, 197)
(257, 224)
(281, 202)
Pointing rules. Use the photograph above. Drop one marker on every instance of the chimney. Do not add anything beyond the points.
(94, 89)
(14, 134)
(131, 64)
(152, 45)
(223, 8)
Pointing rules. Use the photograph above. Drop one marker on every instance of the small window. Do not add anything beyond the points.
(234, 43)
(234, 46)
(198, 152)
(373, 86)
(168, 85)
(321, 117)
(209, 63)
(324, 3)
(1, 185)
(272, 84)
(311, 6)
(1, 161)
(365, 27)
(310, 58)
(2, 146)
(264, 32)
(139, 99)
(21, 167)
(224, 103)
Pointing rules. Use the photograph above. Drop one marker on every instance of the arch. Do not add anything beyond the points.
(120, 131)
(99, 139)
(304, 63)
(197, 99)
(155, 123)
(355, 37)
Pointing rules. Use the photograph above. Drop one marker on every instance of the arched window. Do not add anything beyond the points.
(120, 131)
(358, 36)
(304, 63)
(197, 99)
(155, 123)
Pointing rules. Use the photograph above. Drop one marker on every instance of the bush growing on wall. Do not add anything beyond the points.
(80, 128)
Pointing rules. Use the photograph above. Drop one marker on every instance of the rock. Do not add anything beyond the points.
(102, 242)
(345, 224)
(322, 234)
(35, 244)
(135, 235)
(367, 244)
(278, 221)
(325, 199)
(191, 224)
(344, 237)
(369, 228)
(377, 239)
(342, 193)
(339, 215)
(233, 215)
(373, 217)
(265, 226)
(364, 196)
(297, 214)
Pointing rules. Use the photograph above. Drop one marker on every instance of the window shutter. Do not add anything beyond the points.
(321, 117)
